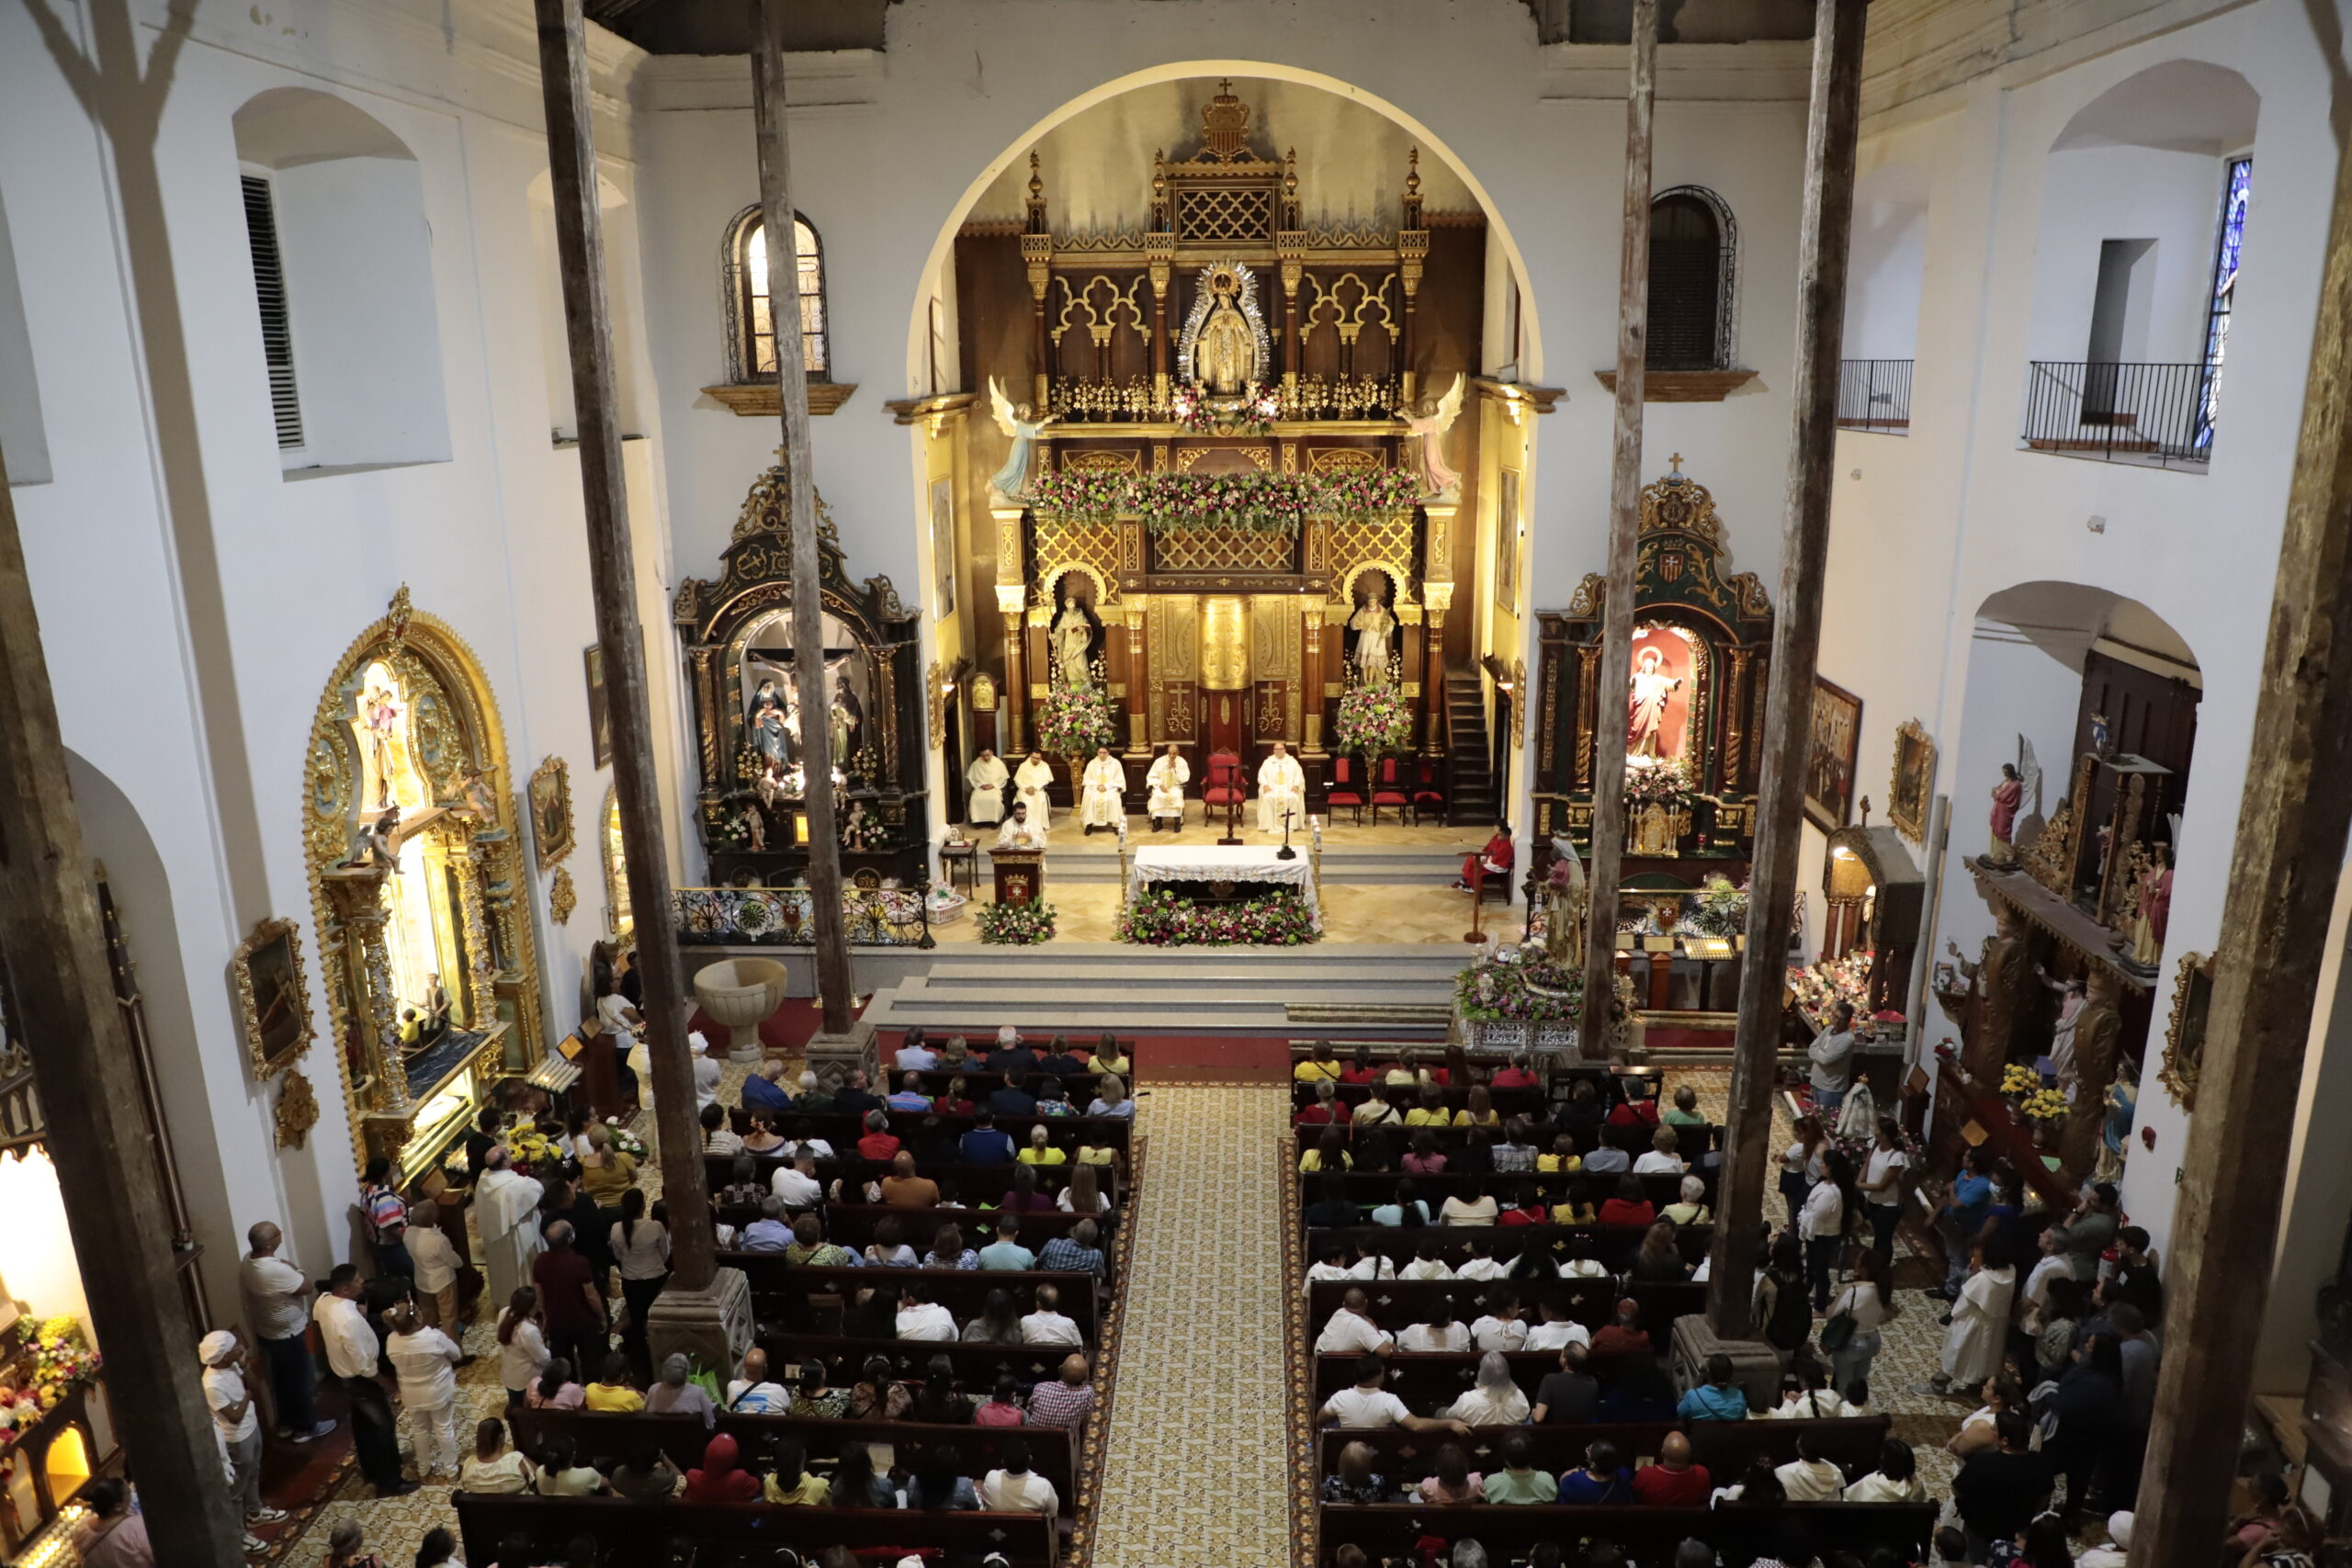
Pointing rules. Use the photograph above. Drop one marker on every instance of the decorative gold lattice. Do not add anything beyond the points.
(1091, 547)
(1220, 214)
(1352, 544)
(1344, 461)
(1221, 550)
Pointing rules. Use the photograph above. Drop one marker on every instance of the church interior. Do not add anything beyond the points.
(702, 806)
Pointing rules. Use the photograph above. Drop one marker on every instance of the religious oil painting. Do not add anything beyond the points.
(2192, 1003)
(1657, 701)
(1830, 755)
(551, 811)
(943, 547)
(272, 1003)
(1914, 781)
(1507, 526)
(600, 717)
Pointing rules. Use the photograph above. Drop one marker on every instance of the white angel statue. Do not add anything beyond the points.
(1428, 430)
(1012, 481)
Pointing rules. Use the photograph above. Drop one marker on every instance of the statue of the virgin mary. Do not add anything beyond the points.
(1224, 358)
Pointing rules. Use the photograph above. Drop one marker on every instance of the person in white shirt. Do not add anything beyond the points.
(426, 1360)
(1014, 1488)
(1352, 1328)
(915, 1056)
(1047, 1325)
(984, 781)
(717, 1137)
(797, 1183)
(1439, 1332)
(522, 1345)
(351, 1351)
(1821, 1225)
(1033, 779)
(1661, 1158)
(1480, 1265)
(1102, 798)
(2119, 1529)
(1832, 1057)
(277, 1304)
(2055, 1263)
(1809, 1477)
(1474, 1208)
(1557, 1331)
(1866, 1304)
(1502, 1327)
(1897, 1479)
(225, 1362)
(1882, 1188)
(1170, 774)
(1494, 1400)
(1020, 832)
(1282, 787)
(1369, 1406)
(436, 1258)
(919, 1317)
(1428, 1263)
(753, 1395)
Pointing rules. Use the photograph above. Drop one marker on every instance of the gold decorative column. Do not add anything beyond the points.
(1588, 693)
(1735, 718)
(1138, 691)
(1011, 599)
(481, 988)
(1311, 680)
(515, 992)
(1437, 597)
(357, 893)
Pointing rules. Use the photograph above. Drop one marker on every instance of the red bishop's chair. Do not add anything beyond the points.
(1226, 788)
(1429, 789)
(1388, 789)
(1344, 790)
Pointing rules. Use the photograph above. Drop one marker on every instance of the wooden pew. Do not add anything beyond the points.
(644, 1531)
(1648, 1535)
(1726, 1448)
(601, 1439)
(1397, 1303)
(973, 1183)
(842, 1129)
(962, 1291)
(1609, 1252)
(1375, 1187)
(852, 1225)
(1428, 1382)
(977, 1366)
(1533, 1103)
(1633, 1140)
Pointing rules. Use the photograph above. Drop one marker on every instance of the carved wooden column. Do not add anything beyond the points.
(1735, 719)
(1587, 686)
(1439, 597)
(1038, 256)
(1009, 604)
(1139, 714)
(1310, 683)
(480, 988)
(1412, 254)
(357, 895)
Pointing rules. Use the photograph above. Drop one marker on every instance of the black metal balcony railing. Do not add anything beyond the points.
(2162, 415)
(1874, 394)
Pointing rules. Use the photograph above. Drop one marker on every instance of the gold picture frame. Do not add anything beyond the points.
(272, 998)
(561, 897)
(1914, 780)
(550, 801)
(2192, 1006)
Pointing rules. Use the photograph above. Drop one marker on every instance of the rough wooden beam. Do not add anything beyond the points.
(1824, 230)
(1607, 841)
(769, 26)
(62, 1007)
(588, 331)
(2284, 869)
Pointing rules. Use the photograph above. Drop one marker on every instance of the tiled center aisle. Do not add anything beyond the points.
(1195, 1467)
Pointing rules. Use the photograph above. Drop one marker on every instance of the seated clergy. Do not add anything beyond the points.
(985, 778)
(1102, 803)
(1282, 787)
(1036, 776)
(1170, 774)
(1018, 832)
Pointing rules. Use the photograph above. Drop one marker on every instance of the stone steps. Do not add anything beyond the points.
(1096, 860)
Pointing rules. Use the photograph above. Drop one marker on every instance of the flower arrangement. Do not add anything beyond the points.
(2018, 1079)
(1016, 925)
(1519, 985)
(1370, 492)
(1072, 722)
(61, 1361)
(1159, 917)
(527, 1145)
(1374, 720)
(2046, 1105)
(623, 1141)
(1720, 909)
(1268, 503)
(1657, 781)
(1252, 414)
(1081, 496)
(1832, 980)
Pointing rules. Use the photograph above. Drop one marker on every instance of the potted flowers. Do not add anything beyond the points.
(1160, 918)
(1374, 720)
(1506, 1000)
(1016, 925)
(1073, 721)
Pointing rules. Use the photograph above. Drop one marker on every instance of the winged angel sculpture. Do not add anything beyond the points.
(1012, 481)
(1429, 430)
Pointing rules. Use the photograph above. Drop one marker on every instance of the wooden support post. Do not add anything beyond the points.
(1825, 227)
(1608, 840)
(833, 985)
(62, 1009)
(2290, 839)
(612, 571)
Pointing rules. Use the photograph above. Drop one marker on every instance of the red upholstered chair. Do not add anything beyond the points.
(1429, 789)
(1388, 789)
(1344, 790)
(1226, 788)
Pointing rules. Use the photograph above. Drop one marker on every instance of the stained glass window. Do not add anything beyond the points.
(755, 331)
(2237, 190)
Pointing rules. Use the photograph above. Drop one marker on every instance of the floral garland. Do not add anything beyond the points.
(1374, 720)
(1264, 503)
(1252, 414)
(1657, 781)
(1518, 983)
(1160, 918)
(1720, 909)
(1073, 722)
(62, 1361)
(1015, 925)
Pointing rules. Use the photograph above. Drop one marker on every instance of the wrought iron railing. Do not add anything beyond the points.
(783, 916)
(1874, 394)
(2147, 413)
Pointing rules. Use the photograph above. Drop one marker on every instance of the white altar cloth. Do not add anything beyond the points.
(1212, 863)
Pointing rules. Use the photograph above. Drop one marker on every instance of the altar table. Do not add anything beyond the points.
(1212, 863)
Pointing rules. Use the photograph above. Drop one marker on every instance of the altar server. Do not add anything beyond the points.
(1019, 831)
(1281, 786)
(1170, 774)
(1036, 776)
(985, 778)
(1103, 803)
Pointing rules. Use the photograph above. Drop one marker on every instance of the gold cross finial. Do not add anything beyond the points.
(1677, 460)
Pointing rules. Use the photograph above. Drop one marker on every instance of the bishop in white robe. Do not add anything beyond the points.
(507, 1207)
(1036, 776)
(1170, 774)
(1020, 830)
(985, 779)
(1281, 786)
(1101, 802)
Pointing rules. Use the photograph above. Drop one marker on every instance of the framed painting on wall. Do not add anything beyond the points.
(600, 717)
(551, 812)
(1913, 783)
(272, 1002)
(1830, 754)
(943, 547)
(1506, 539)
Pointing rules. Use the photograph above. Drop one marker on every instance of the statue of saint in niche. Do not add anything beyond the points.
(1650, 729)
(1225, 353)
(1375, 630)
(1073, 640)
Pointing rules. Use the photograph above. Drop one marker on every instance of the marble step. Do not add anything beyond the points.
(1096, 860)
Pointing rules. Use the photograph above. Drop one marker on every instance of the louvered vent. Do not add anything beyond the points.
(276, 328)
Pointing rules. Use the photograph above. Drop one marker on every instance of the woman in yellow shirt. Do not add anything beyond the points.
(1330, 1152)
(1108, 1057)
(1481, 1110)
(611, 1391)
(605, 1173)
(792, 1483)
(1436, 1115)
(1320, 1064)
(1562, 1160)
(1041, 1152)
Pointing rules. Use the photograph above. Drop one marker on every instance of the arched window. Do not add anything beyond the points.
(1693, 246)
(750, 329)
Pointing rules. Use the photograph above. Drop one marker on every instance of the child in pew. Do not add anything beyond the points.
(1428, 1262)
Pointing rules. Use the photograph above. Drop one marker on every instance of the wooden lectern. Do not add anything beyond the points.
(1019, 875)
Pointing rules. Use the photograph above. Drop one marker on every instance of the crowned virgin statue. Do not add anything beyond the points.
(1225, 354)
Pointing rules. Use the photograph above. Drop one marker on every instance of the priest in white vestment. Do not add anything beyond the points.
(1036, 776)
(1170, 774)
(1101, 802)
(507, 1207)
(1281, 786)
(985, 779)
(1020, 830)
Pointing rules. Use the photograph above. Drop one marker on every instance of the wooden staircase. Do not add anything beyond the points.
(1469, 775)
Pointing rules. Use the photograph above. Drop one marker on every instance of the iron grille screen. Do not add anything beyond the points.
(277, 324)
(1686, 286)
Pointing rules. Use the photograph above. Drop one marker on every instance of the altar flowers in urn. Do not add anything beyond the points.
(1073, 722)
(1015, 925)
(1374, 720)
